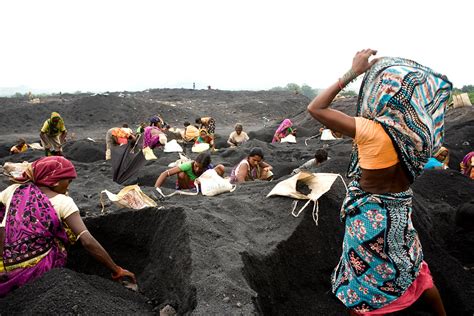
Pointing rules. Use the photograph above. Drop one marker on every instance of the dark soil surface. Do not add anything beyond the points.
(237, 253)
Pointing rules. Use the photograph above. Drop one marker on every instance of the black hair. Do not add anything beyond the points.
(186, 123)
(125, 125)
(256, 151)
(321, 155)
(204, 159)
(198, 120)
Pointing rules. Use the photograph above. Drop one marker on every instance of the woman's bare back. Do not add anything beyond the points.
(388, 180)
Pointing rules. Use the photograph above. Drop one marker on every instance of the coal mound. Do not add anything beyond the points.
(232, 254)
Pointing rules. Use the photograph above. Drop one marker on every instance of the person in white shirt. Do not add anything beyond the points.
(320, 156)
(238, 136)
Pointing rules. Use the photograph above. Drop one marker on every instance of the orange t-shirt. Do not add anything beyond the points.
(121, 135)
(375, 147)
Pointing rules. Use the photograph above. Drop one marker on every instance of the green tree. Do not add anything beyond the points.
(471, 97)
(293, 87)
(307, 91)
(468, 88)
(348, 93)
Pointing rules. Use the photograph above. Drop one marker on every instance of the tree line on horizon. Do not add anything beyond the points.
(304, 89)
(308, 91)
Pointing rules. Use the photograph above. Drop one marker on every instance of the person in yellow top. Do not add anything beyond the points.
(53, 135)
(20, 147)
(190, 133)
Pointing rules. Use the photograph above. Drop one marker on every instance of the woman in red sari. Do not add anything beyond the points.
(34, 216)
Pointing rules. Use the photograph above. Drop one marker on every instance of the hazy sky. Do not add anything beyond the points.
(247, 44)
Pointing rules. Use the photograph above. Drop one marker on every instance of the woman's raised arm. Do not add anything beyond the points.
(319, 107)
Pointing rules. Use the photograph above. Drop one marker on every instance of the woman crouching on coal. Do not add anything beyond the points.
(399, 124)
(37, 218)
(188, 172)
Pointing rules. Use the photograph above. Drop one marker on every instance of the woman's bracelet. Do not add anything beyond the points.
(347, 78)
(81, 233)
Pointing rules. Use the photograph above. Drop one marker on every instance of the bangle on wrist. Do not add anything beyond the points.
(348, 77)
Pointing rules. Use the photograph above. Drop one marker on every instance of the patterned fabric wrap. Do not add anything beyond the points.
(409, 101)
(151, 137)
(49, 170)
(32, 229)
(381, 254)
(211, 126)
(282, 130)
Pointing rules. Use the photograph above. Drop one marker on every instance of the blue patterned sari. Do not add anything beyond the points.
(382, 254)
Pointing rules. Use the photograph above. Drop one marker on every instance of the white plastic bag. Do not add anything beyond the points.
(289, 139)
(36, 146)
(182, 159)
(199, 148)
(172, 146)
(327, 135)
(213, 184)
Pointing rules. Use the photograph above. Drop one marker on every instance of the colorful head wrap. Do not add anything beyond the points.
(284, 125)
(55, 114)
(59, 122)
(53, 128)
(409, 101)
(154, 119)
(466, 164)
(281, 131)
(48, 171)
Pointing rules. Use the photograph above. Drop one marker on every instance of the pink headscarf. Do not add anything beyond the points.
(281, 130)
(465, 163)
(48, 171)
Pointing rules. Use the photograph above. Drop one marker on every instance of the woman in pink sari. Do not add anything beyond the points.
(283, 130)
(153, 136)
(34, 217)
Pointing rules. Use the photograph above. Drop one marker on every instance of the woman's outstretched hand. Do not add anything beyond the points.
(360, 62)
(120, 273)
